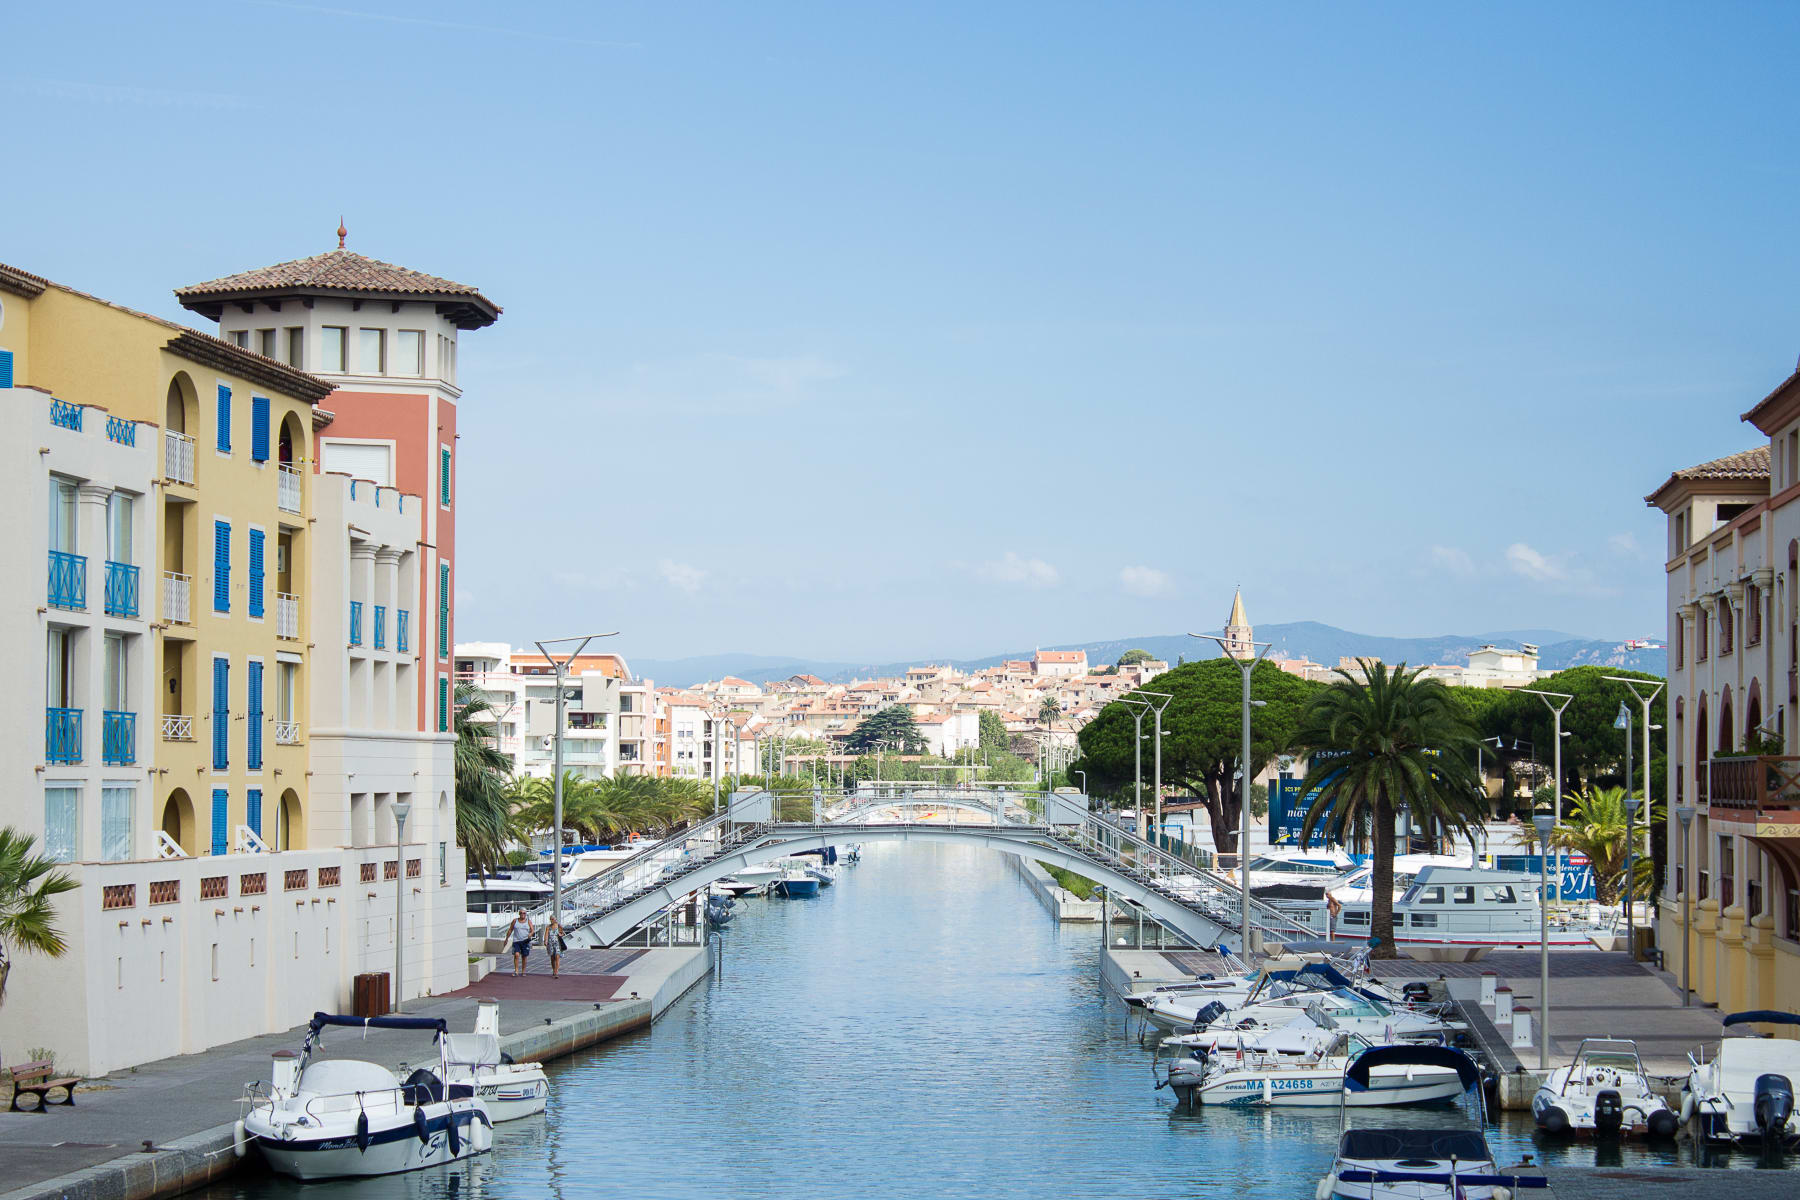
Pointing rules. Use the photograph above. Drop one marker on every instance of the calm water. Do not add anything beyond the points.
(922, 1029)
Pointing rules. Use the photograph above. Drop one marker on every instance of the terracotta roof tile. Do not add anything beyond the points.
(1746, 465)
(340, 271)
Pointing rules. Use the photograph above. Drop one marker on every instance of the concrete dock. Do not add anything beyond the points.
(166, 1126)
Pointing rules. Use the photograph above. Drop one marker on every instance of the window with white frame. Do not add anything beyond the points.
(63, 522)
(117, 800)
(409, 352)
(62, 823)
(333, 346)
(120, 516)
(371, 351)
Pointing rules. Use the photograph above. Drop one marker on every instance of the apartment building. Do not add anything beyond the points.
(520, 687)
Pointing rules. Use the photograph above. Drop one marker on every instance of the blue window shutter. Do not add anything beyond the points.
(5, 368)
(253, 810)
(221, 713)
(253, 710)
(220, 814)
(221, 566)
(259, 428)
(256, 572)
(224, 419)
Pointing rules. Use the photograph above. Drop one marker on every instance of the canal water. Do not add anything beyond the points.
(920, 1030)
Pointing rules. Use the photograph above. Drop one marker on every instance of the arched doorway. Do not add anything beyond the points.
(178, 821)
(1701, 746)
(290, 823)
(290, 444)
(1679, 744)
(181, 408)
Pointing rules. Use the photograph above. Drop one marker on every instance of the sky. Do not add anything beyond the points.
(870, 332)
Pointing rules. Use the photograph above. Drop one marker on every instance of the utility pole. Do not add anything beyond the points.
(1646, 699)
(1247, 665)
(556, 833)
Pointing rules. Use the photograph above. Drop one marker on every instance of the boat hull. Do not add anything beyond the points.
(796, 888)
(335, 1152)
(1325, 1089)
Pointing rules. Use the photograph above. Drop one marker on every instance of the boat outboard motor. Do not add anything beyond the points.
(1609, 1112)
(1774, 1104)
(1416, 992)
(1213, 1010)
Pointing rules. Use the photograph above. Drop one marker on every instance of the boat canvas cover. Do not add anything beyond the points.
(1742, 1060)
(1356, 1077)
(1762, 1016)
(344, 1076)
(435, 1024)
(472, 1049)
(1388, 1145)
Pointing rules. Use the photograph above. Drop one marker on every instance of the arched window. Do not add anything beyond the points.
(1727, 731)
(1679, 744)
(1753, 713)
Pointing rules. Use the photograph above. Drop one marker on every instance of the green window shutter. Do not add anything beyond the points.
(443, 704)
(444, 475)
(443, 610)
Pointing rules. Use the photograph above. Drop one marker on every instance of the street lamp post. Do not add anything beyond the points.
(1247, 665)
(1556, 711)
(1138, 707)
(1645, 698)
(1684, 813)
(401, 808)
(556, 832)
(1623, 721)
(1544, 822)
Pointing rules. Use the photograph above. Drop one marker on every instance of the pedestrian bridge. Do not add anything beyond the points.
(1197, 905)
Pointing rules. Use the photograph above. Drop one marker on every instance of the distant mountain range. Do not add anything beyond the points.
(1310, 639)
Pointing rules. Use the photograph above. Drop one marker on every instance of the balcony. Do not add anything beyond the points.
(177, 727)
(402, 619)
(287, 616)
(68, 581)
(121, 589)
(356, 622)
(287, 733)
(67, 415)
(178, 457)
(177, 598)
(287, 488)
(1761, 789)
(380, 631)
(122, 431)
(62, 735)
(118, 738)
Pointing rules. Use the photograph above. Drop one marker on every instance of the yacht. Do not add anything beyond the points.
(1448, 1162)
(1178, 1006)
(492, 902)
(345, 1117)
(1315, 1079)
(1745, 1092)
(510, 1090)
(1451, 909)
(1604, 1093)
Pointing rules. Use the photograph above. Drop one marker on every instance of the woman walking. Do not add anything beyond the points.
(520, 931)
(554, 945)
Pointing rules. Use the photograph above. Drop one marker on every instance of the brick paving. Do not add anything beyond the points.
(1672, 1182)
(1516, 964)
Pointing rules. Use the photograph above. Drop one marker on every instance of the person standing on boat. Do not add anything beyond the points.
(554, 945)
(520, 932)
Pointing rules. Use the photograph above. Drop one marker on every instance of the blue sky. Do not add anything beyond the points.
(868, 332)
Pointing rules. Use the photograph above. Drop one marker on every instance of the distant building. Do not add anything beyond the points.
(1239, 639)
(1056, 663)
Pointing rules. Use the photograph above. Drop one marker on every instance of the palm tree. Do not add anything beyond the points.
(28, 883)
(1388, 739)
(483, 817)
(1594, 825)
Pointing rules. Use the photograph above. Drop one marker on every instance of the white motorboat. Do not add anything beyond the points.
(344, 1117)
(1604, 1093)
(1452, 1162)
(1745, 1092)
(510, 1090)
(1179, 1006)
(1344, 1008)
(493, 900)
(1314, 1080)
(759, 877)
(733, 886)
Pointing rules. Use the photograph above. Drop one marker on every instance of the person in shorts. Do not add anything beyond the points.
(520, 932)
(553, 945)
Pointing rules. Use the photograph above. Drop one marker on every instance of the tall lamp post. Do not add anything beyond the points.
(1556, 701)
(1246, 664)
(1645, 698)
(1544, 822)
(556, 833)
(1623, 721)
(1684, 813)
(401, 808)
(1138, 709)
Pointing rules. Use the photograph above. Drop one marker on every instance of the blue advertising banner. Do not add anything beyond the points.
(1577, 873)
(1287, 812)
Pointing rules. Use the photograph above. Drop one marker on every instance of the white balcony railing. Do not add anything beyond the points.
(177, 728)
(287, 488)
(287, 733)
(287, 616)
(177, 595)
(178, 456)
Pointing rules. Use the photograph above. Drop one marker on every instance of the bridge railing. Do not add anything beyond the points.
(1003, 807)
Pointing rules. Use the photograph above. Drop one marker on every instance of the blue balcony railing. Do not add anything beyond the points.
(402, 619)
(62, 735)
(121, 589)
(356, 622)
(65, 414)
(381, 627)
(68, 580)
(122, 431)
(118, 738)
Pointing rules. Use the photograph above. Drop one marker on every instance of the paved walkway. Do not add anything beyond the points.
(173, 1098)
(1674, 1183)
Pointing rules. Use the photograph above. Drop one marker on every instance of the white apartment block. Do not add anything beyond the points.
(520, 685)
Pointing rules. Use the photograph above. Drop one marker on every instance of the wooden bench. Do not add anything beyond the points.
(36, 1079)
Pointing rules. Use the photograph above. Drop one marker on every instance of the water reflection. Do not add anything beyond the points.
(918, 1030)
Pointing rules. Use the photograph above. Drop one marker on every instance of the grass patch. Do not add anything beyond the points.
(1080, 885)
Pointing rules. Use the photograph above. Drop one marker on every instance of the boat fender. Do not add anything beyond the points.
(1553, 1119)
(1326, 1186)
(362, 1131)
(1662, 1124)
(239, 1142)
(455, 1138)
(1502, 1193)
(1687, 1106)
(506, 1058)
(421, 1127)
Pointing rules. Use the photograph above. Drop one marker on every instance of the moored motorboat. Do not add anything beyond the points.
(510, 1090)
(736, 886)
(1745, 1092)
(719, 911)
(345, 1117)
(1603, 1092)
(1313, 1080)
(796, 883)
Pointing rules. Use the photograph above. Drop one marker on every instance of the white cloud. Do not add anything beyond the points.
(1015, 568)
(1525, 561)
(1145, 581)
(1625, 544)
(1453, 560)
(681, 576)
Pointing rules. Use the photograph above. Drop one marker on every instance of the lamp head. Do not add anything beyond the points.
(1631, 807)
(1685, 814)
(1623, 720)
(1543, 820)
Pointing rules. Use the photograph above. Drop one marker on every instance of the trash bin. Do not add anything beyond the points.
(369, 995)
(1643, 943)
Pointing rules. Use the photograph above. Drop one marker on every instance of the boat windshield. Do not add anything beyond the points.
(1350, 1004)
(1464, 1145)
(1295, 866)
